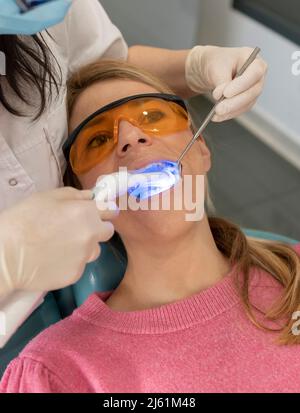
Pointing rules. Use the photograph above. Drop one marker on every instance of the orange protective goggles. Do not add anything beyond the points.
(96, 137)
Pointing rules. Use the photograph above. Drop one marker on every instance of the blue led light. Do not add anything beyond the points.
(154, 179)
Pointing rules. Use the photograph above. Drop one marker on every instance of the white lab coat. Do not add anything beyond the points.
(31, 157)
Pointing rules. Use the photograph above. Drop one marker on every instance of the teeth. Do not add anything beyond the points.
(142, 183)
(154, 179)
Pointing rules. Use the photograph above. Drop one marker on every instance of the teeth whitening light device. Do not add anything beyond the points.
(142, 183)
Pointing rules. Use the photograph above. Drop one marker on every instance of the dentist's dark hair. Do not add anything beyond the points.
(30, 65)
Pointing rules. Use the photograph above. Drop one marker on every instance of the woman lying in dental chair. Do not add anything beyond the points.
(201, 308)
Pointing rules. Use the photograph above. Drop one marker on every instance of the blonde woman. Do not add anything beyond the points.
(201, 308)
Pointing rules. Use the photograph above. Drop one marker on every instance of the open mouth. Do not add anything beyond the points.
(154, 178)
(142, 183)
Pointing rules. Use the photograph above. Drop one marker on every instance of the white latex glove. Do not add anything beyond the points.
(47, 239)
(212, 68)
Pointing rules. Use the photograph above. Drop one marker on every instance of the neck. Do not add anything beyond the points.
(162, 272)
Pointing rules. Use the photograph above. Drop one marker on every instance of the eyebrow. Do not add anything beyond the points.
(98, 119)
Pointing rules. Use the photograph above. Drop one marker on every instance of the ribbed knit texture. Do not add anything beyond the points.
(167, 318)
(203, 343)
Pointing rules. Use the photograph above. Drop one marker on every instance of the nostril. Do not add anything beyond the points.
(140, 140)
(125, 147)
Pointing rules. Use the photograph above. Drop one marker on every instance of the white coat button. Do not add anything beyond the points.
(13, 182)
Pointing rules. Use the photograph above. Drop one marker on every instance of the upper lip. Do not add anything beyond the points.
(141, 162)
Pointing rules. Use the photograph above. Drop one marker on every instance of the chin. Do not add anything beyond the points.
(162, 224)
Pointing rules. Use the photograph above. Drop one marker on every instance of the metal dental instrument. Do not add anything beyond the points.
(211, 114)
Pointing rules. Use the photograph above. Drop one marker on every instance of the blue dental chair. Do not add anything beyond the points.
(104, 274)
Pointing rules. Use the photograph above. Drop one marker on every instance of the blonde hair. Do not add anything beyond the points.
(278, 259)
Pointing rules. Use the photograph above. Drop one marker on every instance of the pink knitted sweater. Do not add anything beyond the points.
(203, 343)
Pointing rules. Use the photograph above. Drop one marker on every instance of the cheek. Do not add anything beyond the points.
(193, 160)
(89, 179)
(179, 140)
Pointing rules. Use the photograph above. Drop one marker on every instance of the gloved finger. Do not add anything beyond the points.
(95, 254)
(219, 90)
(107, 210)
(105, 231)
(84, 195)
(250, 77)
(254, 74)
(231, 105)
(235, 114)
(73, 194)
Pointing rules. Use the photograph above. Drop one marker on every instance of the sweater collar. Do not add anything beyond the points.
(198, 308)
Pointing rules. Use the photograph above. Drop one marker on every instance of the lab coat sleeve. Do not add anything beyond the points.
(14, 310)
(91, 35)
(25, 375)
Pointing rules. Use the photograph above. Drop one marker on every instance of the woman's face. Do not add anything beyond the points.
(134, 148)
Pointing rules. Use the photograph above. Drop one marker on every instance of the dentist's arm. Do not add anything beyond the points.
(46, 240)
(45, 243)
(206, 69)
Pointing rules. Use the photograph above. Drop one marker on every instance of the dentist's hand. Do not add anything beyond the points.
(211, 69)
(46, 240)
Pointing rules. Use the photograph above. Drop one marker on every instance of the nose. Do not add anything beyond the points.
(129, 137)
